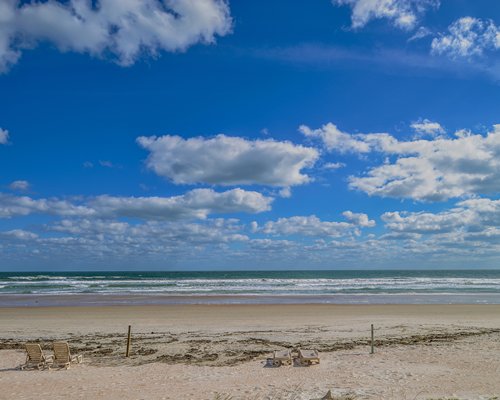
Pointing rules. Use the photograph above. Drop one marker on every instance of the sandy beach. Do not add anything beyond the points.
(205, 352)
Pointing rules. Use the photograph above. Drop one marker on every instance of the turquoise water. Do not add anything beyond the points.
(254, 283)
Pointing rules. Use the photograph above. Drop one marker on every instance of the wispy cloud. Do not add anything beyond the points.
(403, 14)
(468, 37)
(19, 185)
(4, 136)
(386, 60)
(421, 33)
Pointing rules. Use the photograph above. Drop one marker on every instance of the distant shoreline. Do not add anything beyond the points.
(99, 299)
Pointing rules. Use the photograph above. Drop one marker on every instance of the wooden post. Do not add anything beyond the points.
(372, 343)
(128, 341)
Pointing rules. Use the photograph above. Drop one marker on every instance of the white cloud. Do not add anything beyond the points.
(336, 140)
(152, 234)
(359, 219)
(400, 236)
(313, 226)
(333, 139)
(427, 127)
(434, 170)
(426, 223)
(4, 134)
(272, 245)
(421, 33)
(473, 218)
(333, 166)
(467, 37)
(285, 192)
(19, 234)
(197, 203)
(402, 13)
(11, 205)
(19, 185)
(467, 233)
(122, 244)
(225, 160)
(438, 169)
(123, 29)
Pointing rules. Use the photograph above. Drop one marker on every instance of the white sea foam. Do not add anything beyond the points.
(136, 284)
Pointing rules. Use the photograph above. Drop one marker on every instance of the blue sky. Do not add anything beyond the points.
(206, 134)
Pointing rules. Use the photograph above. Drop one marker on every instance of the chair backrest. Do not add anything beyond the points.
(61, 352)
(34, 351)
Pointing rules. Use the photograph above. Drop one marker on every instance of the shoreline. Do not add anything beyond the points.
(131, 299)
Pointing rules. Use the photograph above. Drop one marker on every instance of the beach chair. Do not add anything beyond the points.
(308, 357)
(282, 357)
(35, 357)
(63, 357)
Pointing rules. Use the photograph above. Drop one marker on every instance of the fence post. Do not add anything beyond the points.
(372, 343)
(128, 341)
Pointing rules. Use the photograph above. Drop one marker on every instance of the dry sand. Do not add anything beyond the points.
(198, 352)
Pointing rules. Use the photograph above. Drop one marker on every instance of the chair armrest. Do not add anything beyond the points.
(78, 359)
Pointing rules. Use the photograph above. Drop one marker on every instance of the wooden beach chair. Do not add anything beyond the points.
(35, 357)
(308, 357)
(282, 357)
(63, 357)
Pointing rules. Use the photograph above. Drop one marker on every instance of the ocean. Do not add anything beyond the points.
(343, 287)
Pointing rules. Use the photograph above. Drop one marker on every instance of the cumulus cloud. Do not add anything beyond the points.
(224, 160)
(467, 37)
(272, 245)
(336, 140)
(122, 29)
(333, 139)
(4, 134)
(122, 243)
(358, 219)
(427, 127)
(402, 13)
(426, 223)
(19, 234)
(438, 169)
(473, 215)
(433, 169)
(313, 226)
(198, 203)
(11, 205)
(468, 232)
(154, 233)
(19, 185)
